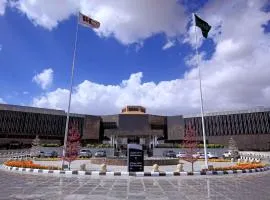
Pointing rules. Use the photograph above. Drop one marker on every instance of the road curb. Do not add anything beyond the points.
(136, 174)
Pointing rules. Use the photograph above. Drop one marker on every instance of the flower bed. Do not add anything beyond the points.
(241, 166)
(28, 164)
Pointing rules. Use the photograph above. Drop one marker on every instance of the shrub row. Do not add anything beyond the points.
(50, 145)
(182, 146)
(98, 146)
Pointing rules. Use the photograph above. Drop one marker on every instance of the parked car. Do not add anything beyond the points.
(169, 153)
(85, 153)
(181, 155)
(211, 155)
(40, 154)
(50, 154)
(100, 153)
(198, 155)
(228, 154)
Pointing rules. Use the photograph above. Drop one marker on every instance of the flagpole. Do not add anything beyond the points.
(201, 96)
(70, 92)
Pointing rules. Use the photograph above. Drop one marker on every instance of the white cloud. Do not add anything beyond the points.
(1, 47)
(3, 4)
(236, 76)
(2, 101)
(89, 97)
(47, 13)
(128, 21)
(25, 92)
(169, 44)
(44, 79)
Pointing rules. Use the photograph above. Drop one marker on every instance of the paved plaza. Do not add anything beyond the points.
(15, 185)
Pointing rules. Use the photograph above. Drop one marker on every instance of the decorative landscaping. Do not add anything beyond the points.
(28, 164)
(240, 166)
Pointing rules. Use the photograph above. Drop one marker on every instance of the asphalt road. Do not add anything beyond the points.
(14, 185)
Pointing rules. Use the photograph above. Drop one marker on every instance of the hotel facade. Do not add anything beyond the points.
(20, 124)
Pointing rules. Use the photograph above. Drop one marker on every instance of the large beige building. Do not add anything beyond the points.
(20, 124)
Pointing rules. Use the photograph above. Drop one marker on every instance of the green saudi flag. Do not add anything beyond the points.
(204, 26)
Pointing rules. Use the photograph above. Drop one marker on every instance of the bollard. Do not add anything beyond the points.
(155, 168)
(103, 168)
(83, 167)
(179, 167)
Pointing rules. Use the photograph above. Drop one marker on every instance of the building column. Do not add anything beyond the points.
(112, 140)
(115, 142)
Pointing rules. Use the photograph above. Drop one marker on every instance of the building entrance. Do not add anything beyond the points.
(133, 140)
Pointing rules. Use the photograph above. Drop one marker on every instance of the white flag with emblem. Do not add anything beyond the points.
(88, 21)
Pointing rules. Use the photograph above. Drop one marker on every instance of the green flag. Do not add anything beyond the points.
(205, 27)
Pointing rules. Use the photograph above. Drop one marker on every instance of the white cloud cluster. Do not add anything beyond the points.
(128, 21)
(3, 4)
(47, 13)
(44, 79)
(89, 97)
(236, 76)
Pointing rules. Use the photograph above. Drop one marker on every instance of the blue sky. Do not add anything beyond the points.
(112, 54)
(27, 50)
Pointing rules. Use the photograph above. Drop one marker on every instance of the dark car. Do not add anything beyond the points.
(100, 153)
(169, 153)
(50, 154)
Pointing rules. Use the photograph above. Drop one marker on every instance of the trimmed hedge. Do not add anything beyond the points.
(98, 146)
(166, 145)
(50, 145)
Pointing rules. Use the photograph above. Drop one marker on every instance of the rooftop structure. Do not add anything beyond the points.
(133, 110)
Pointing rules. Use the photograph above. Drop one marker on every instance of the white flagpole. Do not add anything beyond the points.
(201, 96)
(70, 92)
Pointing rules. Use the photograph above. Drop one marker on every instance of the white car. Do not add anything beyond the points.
(181, 155)
(210, 155)
(198, 155)
(227, 154)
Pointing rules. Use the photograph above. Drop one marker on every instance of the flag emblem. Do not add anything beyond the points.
(204, 26)
(88, 21)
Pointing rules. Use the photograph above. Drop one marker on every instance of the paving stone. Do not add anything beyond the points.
(230, 187)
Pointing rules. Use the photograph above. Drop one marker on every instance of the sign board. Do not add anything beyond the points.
(135, 158)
